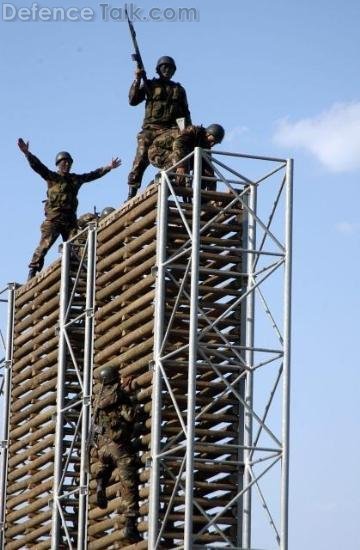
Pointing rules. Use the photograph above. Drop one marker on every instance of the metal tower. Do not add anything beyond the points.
(187, 290)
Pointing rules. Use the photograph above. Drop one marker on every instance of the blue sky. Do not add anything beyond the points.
(282, 77)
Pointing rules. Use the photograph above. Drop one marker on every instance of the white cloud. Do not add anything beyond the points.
(234, 133)
(348, 228)
(333, 136)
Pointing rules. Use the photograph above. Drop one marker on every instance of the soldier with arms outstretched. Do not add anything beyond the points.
(61, 203)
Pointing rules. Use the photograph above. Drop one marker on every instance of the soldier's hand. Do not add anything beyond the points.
(115, 163)
(128, 383)
(23, 146)
(180, 172)
(139, 74)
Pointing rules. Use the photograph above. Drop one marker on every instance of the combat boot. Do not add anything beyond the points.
(131, 534)
(101, 498)
(32, 272)
(132, 192)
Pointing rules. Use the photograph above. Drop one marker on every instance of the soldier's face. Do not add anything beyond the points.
(166, 71)
(211, 140)
(64, 166)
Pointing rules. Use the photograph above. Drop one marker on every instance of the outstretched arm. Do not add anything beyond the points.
(23, 146)
(34, 162)
(99, 173)
(115, 163)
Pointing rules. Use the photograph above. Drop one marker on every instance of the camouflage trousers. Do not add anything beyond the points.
(50, 231)
(145, 139)
(162, 156)
(160, 152)
(109, 456)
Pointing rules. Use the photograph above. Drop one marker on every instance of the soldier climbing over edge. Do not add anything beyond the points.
(61, 204)
(114, 419)
(165, 102)
(172, 146)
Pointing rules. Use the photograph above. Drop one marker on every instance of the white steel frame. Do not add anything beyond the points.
(6, 391)
(251, 452)
(244, 191)
(80, 407)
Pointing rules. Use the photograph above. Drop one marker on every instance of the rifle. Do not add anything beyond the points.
(137, 55)
(92, 432)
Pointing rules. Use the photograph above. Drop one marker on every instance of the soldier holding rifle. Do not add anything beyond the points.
(165, 102)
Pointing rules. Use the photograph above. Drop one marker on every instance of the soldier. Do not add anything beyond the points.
(61, 203)
(106, 212)
(165, 102)
(84, 220)
(114, 423)
(172, 146)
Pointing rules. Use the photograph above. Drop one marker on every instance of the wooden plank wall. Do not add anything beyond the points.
(124, 323)
(33, 404)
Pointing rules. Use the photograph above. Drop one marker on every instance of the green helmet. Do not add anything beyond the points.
(217, 131)
(63, 155)
(109, 374)
(85, 219)
(106, 211)
(165, 60)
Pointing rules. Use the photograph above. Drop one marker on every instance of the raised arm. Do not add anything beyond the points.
(99, 173)
(34, 162)
(137, 91)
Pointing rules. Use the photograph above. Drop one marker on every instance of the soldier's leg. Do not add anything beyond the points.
(69, 229)
(129, 482)
(141, 162)
(101, 468)
(102, 465)
(49, 233)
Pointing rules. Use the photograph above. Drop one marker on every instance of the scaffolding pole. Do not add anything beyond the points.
(87, 385)
(59, 429)
(193, 351)
(249, 359)
(287, 356)
(7, 402)
(157, 377)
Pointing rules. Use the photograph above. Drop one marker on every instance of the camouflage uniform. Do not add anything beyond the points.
(85, 219)
(60, 206)
(166, 102)
(114, 425)
(161, 150)
(172, 146)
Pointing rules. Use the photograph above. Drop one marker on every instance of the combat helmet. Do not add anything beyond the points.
(85, 219)
(63, 155)
(165, 60)
(217, 131)
(106, 211)
(109, 374)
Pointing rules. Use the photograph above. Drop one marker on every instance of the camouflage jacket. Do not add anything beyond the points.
(166, 103)
(62, 189)
(187, 140)
(115, 414)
